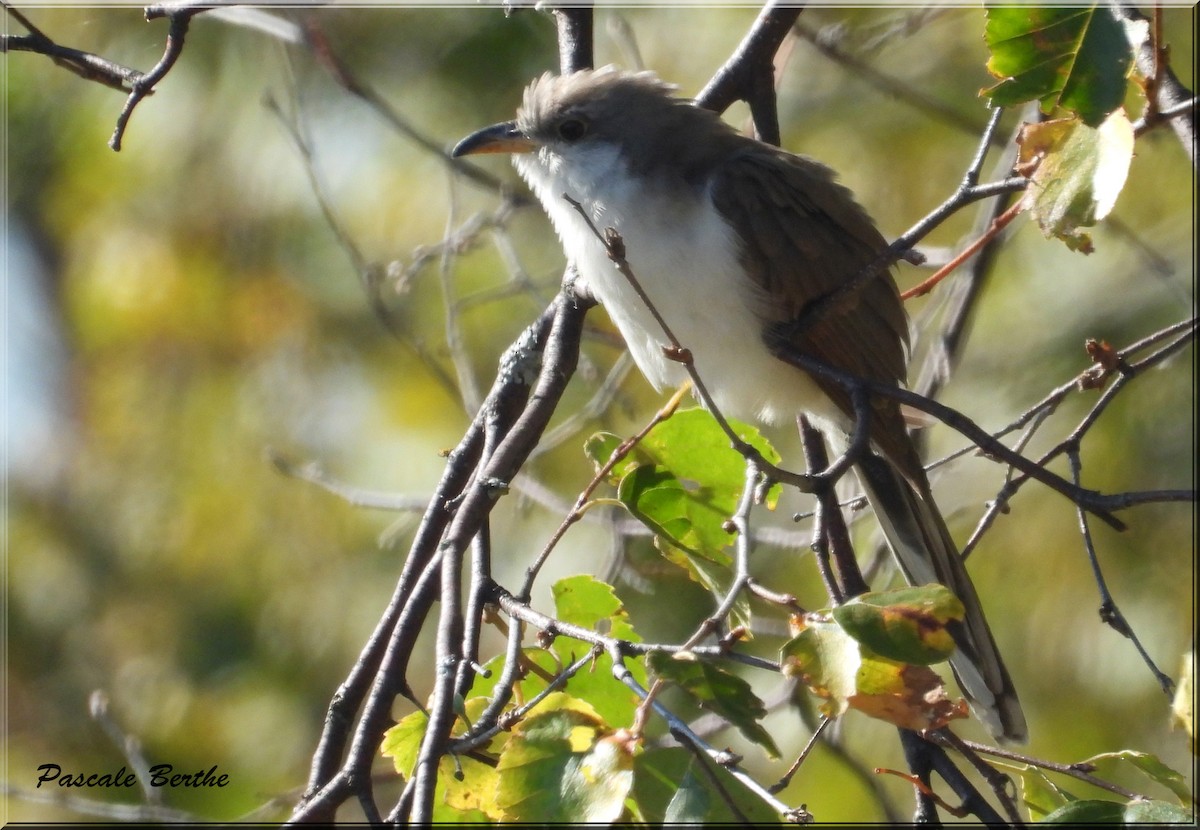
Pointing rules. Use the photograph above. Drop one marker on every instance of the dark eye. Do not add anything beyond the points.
(572, 129)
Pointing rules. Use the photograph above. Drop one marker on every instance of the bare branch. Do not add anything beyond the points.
(179, 20)
(84, 64)
(749, 74)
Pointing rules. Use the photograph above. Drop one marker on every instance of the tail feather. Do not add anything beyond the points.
(922, 545)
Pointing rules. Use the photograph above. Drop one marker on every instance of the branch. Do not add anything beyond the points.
(86, 65)
(1089, 500)
(1166, 92)
(749, 74)
(179, 18)
(575, 37)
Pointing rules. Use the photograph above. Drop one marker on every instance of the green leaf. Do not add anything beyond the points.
(600, 448)
(715, 576)
(611, 700)
(562, 765)
(402, 742)
(1157, 812)
(589, 603)
(1080, 172)
(1087, 812)
(679, 510)
(464, 785)
(1152, 767)
(693, 446)
(691, 802)
(1041, 795)
(684, 481)
(718, 691)
(908, 624)
(847, 674)
(1076, 58)
(1112, 812)
(660, 774)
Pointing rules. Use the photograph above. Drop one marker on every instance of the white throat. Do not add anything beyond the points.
(685, 256)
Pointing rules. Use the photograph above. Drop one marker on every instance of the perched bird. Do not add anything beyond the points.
(730, 237)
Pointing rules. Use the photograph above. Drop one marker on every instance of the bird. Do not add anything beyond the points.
(730, 239)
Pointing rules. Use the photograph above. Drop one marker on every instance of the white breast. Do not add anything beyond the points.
(684, 255)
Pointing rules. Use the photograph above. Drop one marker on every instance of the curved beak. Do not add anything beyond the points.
(498, 138)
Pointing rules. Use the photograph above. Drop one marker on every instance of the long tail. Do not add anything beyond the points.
(918, 537)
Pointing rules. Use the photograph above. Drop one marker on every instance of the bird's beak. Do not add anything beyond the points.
(498, 138)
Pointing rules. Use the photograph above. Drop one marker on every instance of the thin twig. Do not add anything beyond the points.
(179, 20)
(86, 65)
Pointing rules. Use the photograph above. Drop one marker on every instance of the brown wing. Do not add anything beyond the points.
(803, 237)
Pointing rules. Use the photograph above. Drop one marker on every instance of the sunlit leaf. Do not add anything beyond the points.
(692, 445)
(1041, 795)
(911, 697)
(600, 448)
(1080, 171)
(684, 482)
(402, 742)
(1153, 767)
(563, 764)
(847, 675)
(680, 510)
(539, 668)
(720, 692)
(907, 624)
(1076, 58)
(585, 601)
(1183, 707)
(608, 698)
(589, 603)
(826, 659)
(464, 784)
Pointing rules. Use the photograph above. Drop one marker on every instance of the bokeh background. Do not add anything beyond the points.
(178, 310)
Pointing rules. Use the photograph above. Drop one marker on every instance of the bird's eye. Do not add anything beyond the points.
(572, 129)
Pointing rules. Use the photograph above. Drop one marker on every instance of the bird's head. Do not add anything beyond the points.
(592, 117)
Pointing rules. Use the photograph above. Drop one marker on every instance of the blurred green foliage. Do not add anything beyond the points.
(198, 309)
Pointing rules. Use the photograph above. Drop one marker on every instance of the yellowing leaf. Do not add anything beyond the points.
(463, 784)
(402, 742)
(911, 697)
(563, 765)
(847, 675)
(908, 624)
(1079, 173)
(827, 660)
(466, 784)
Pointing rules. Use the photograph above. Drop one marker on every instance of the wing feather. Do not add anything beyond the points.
(803, 237)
